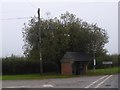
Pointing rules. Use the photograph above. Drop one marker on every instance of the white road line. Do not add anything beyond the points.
(103, 81)
(15, 87)
(9, 87)
(48, 85)
(96, 81)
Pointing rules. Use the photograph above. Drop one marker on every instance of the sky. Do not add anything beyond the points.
(105, 14)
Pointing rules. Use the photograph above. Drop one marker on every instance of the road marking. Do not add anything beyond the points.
(103, 81)
(96, 81)
(9, 87)
(48, 85)
(16, 87)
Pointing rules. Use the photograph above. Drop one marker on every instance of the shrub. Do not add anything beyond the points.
(24, 66)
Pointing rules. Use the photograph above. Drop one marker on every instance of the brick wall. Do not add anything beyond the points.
(66, 68)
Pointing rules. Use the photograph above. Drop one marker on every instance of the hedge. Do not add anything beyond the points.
(21, 66)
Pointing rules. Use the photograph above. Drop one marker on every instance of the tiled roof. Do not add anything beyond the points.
(75, 56)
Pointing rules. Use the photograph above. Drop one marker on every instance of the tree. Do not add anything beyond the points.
(67, 33)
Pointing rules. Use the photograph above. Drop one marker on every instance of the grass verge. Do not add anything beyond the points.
(35, 77)
(106, 71)
(0, 77)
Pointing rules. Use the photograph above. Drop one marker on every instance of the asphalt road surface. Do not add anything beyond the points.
(106, 81)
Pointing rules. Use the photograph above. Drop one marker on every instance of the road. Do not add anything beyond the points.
(106, 81)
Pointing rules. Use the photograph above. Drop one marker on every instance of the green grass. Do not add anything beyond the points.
(35, 76)
(106, 71)
(0, 77)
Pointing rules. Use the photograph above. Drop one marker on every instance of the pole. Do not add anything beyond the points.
(94, 60)
(40, 55)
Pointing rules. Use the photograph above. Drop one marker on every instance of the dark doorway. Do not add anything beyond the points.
(77, 68)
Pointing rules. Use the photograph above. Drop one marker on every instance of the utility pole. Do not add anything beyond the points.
(94, 60)
(40, 55)
(94, 51)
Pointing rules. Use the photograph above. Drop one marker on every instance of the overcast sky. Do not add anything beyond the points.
(105, 14)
